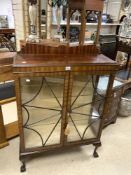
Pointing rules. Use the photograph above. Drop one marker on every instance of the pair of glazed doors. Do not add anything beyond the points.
(58, 109)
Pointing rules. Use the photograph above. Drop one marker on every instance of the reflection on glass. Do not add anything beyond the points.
(42, 99)
(86, 108)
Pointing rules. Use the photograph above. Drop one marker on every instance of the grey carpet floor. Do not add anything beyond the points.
(114, 156)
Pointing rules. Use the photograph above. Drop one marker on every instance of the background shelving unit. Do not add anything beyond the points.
(111, 7)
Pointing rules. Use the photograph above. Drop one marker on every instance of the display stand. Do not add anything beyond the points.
(57, 91)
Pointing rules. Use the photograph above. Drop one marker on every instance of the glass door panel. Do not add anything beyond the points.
(86, 108)
(42, 100)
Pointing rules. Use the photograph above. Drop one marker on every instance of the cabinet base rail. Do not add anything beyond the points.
(23, 156)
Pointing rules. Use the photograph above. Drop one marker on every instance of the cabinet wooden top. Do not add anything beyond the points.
(6, 31)
(41, 58)
(30, 60)
(60, 63)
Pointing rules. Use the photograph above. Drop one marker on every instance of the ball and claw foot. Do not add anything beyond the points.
(95, 154)
(113, 122)
(23, 167)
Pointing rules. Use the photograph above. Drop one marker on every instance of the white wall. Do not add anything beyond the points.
(6, 9)
(43, 4)
(9, 111)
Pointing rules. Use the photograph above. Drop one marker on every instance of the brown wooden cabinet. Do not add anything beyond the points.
(57, 89)
(6, 74)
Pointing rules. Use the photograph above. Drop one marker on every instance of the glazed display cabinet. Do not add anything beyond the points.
(58, 96)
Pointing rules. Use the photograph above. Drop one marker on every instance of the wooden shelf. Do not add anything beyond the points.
(85, 43)
(43, 25)
(89, 24)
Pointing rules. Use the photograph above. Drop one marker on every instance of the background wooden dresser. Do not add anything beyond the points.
(6, 74)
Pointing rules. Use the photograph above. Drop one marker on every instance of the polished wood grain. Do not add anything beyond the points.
(11, 130)
(3, 141)
(6, 62)
(29, 60)
(40, 58)
(37, 55)
(6, 31)
(76, 4)
(6, 131)
(41, 48)
(8, 100)
(6, 58)
(94, 5)
(37, 60)
(6, 73)
(57, 63)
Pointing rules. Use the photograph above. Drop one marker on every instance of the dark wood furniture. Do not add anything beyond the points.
(57, 91)
(122, 45)
(6, 31)
(5, 39)
(108, 45)
(6, 74)
(85, 7)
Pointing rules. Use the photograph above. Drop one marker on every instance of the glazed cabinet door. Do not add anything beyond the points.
(85, 107)
(43, 103)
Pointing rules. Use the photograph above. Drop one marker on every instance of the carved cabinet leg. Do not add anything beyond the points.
(23, 166)
(95, 154)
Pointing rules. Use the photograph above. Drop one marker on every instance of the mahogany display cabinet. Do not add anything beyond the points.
(57, 92)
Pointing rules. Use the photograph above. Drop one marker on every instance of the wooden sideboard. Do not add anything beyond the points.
(57, 93)
(6, 74)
